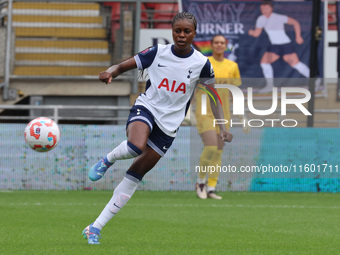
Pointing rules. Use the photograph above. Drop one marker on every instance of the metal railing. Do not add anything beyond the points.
(56, 116)
(56, 108)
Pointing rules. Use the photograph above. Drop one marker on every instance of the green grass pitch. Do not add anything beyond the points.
(51, 222)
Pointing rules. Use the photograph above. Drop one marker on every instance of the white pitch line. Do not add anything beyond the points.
(179, 205)
(239, 205)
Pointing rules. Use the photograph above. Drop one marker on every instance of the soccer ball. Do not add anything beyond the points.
(42, 134)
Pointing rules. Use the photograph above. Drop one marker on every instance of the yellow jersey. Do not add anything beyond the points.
(226, 72)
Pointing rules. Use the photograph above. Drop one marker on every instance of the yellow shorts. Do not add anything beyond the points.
(206, 123)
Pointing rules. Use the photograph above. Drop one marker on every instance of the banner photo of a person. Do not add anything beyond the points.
(270, 40)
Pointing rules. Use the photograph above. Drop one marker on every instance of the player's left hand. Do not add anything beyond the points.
(226, 136)
(299, 40)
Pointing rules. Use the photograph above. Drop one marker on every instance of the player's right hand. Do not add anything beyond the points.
(105, 77)
(226, 136)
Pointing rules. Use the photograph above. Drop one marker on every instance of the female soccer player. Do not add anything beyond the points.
(226, 72)
(174, 71)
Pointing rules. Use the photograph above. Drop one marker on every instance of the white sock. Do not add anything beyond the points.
(121, 196)
(200, 181)
(209, 188)
(125, 150)
(267, 70)
(268, 73)
(302, 69)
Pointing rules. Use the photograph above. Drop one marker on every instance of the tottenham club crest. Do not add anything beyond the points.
(190, 72)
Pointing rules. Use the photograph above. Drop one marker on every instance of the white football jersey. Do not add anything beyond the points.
(172, 82)
(275, 28)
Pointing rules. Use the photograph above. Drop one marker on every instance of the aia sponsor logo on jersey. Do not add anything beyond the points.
(173, 86)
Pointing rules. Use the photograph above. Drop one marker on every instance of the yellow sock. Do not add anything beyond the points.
(213, 176)
(205, 160)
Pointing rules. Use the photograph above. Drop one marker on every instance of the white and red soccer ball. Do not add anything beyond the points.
(42, 134)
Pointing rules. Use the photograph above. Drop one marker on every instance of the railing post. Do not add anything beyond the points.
(8, 50)
(136, 43)
(56, 114)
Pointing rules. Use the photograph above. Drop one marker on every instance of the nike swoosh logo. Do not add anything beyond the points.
(100, 174)
(159, 65)
(116, 205)
(165, 148)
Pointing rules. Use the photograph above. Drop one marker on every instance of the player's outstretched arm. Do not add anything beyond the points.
(256, 32)
(297, 29)
(115, 70)
(218, 114)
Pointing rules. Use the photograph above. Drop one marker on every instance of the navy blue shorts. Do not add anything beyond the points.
(158, 140)
(281, 50)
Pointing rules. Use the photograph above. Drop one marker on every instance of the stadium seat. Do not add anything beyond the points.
(115, 18)
(64, 44)
(115, 10)
(163, 14)
(150, 5)
(144, 17)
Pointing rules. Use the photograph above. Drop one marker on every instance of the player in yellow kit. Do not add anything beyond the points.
(226, 72)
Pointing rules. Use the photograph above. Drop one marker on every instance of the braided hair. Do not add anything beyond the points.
(184, 15)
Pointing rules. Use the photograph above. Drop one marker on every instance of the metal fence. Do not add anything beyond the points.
(57, 116)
